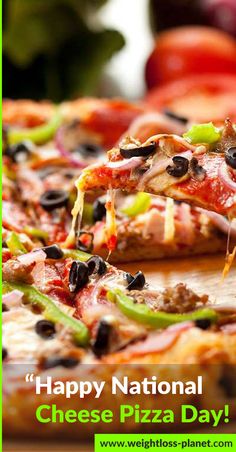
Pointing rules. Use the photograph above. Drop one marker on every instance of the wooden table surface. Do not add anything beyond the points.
(202, 273)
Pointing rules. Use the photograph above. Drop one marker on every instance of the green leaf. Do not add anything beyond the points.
(51, 50)
(141, 204)
(203, 133)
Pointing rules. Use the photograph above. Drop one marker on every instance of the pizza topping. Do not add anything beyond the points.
(11, 299)
(78, 276)
(56, 361)
(230, 157)
(53, 252)
(144, 315)
(101, 343)
(202, 133)
(174, 115)
(141, 204)
(197, 171)
(180, 167)
(225, 176)
(15, 245)
(130, 151)
(126, 164)
(4, 353)
(203, 324)
(19, 152)
(51, 311)
(45, 329)
(99, 210)
(136, 282)
(89, 150)
(84, 241)
(221, 222)
(33, 257)
(39, 134)
(96, 265)
(54, 199)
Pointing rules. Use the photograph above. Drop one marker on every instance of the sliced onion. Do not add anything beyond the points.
(225, 177)
(34, 256)
(65, 153)
(13, 298)
(126, 164)
(142, 123)
(223, 224)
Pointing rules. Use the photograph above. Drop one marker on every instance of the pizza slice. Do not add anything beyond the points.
(198, 168)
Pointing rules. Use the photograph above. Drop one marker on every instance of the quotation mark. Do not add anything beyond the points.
(29, 378)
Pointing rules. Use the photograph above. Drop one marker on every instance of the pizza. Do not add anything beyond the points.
(71, 314)
(51, 169)
(64, 310)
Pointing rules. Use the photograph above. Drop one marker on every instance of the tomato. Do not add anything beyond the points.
(190, 50)
(199, 98)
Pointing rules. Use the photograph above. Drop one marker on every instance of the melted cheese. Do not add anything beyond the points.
(228, 263)
(169, 227)
(76, 213)
(111, 230)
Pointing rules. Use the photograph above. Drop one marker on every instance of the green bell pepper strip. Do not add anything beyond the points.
(51, 311)
(14, 244)
(37, 135)
(87, 214)
(143, 314)
(35, 232)
(141, 204)
(76, 254)
(203, 133)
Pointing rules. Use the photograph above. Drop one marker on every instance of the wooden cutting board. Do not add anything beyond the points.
(202, 274)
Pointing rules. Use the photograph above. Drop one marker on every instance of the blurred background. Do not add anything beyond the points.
(61, 49)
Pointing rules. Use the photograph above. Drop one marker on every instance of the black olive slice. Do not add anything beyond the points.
(54, 199)
(96, 265)
(53, 252)
(4, 353)
(45, 329)
(140, 151)
(78, 276)
(138, 281)
(55, 361)
(203, 324)
(180, 167)
(89, 149)
(173, 115)
(4, 307)
(84, 241)
(197, 171)
(230, 157)
(99, 210)
(101, 344)
(18, 152)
